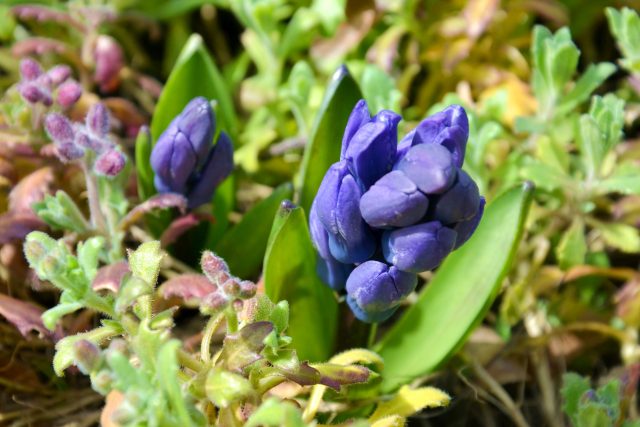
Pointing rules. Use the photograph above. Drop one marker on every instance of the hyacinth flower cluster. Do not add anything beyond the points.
(74, 140)
(387, 210)
(185, 161)
(37, 86)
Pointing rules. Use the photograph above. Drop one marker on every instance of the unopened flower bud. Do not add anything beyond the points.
(97, 120)
(231, 287)
(68, 93)
(68, 151)
(102, 381)
(109, 60)
(214, 302)
(110, 163)
(393, 201)
(59, 74)
(237, 305)
(458, 203)
(31, 93)
(374, 290)
(419, 247)
(430, 167)
(214, 267)
(247, 289)
(59, 128)
(87, 356)
(30, 69)
(448, 128)
(466, 228)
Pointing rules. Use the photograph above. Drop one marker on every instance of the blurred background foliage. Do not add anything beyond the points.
(559, 107)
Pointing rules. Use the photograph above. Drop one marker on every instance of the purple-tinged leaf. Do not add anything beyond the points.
(109, 277)
(335, 376)
(159, 201)
(182, 224)
(187, 286)
(23, 315)
(16, 225)
(31, 189)
(243, 348)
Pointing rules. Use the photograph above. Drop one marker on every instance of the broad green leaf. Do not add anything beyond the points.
(244, 245)
(224, 388)
(290, 274)
(144, 262)
(620, 236)
(573, 387)
(564, 62)
(408, 401)
(323, 148)
(194, 74)
(591, 144)
(572, 247)
(458, 296)
(625, 179)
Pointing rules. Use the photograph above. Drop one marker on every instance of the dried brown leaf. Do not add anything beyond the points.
(31, 189)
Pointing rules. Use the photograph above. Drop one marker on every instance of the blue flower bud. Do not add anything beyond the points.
(430, 167)
(393, 201)
(369, 144)
(337, 202)
(458, 203)
(185, 161)
(331, 271)
(449, 128)
(374, 290)
(466, 228)
(418, 248)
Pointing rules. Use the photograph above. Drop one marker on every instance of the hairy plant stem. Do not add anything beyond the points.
(189, 361)
(97, 218)
(232, 320)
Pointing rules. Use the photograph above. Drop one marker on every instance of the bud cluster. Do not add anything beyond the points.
(73, 140)
(184, 159)
(37, 86)
(229, 289)
(387, 211)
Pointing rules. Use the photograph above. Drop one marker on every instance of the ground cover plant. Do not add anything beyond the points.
(286, 212)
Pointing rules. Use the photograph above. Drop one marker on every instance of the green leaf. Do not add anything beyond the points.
(572, 247)
(620, 236)
(564, 61)
(144, 173)
(194, 74)
(595, 75)
(50, 317)
(64, 348)
(144, 262)
(167, 372)
(290, 274)
(224, 388)
(591, 144)
(458, 296)
(379, 89)
(410, 401)
(61, 213)
(623, 180)
(89, 254)
(276, 413)
(323, 148)
(593, 415)
(573, 387)
(244, 245)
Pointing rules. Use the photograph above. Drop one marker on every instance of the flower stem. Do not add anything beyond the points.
(232, 320)
(97, 218)
(205, 344)
(373, 331)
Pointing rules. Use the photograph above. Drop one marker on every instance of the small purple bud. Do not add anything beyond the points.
(358, 118)
(59, 74)
(87, 356)
(449, 128)
(375, 289)
(337, 204)
(331, 271)
(418, 248)
(30, 69)
(458, 203)
(430, 167)
(218, 166)
(214, 267)
(68, 151)
(31, 93)
(393, 201)
(465, 229)
(371, 151)
(84, 140)
(68, 93)
(231, 287)
(97, 120)
(109, 163)
(215, 301)
(59, 128)
(109, 60)
(248, 289)
(404, 145)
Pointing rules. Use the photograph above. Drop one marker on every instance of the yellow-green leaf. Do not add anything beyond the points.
(408, 401)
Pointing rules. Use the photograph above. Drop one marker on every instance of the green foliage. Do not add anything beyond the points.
(290, 259)
(625, 26)
(61, 213)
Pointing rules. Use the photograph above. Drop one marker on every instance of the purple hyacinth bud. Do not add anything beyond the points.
(97, 120)
(465, 229)
(185, 147)
(198, 123)
(59, 74)
(337, 202)
(59, 128)
(31, 93)
(374, 290)
(404, 145)
(458, 203)
(418, 248)
(30, 69)
(358, 118)
(68, 93)
(109, 163)
(331, 271)
(218, 166)
(371, 152)
(449, 128)
(430, 167)
(393, 201)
